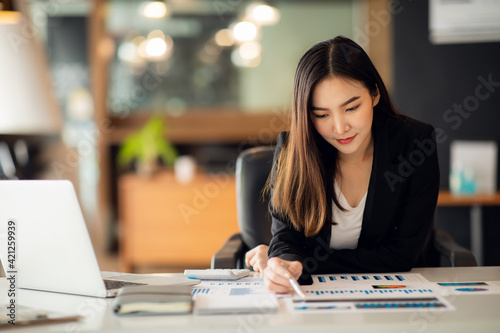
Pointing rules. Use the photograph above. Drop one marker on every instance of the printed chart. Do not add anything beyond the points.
(244, 286)
(369, 292)
(472, 287)
(357, 305)
(357, 292)
(348, 286)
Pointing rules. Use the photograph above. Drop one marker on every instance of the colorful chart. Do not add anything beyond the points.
(370, 292)
(471, 289)
(368, 304)
(401, 304)
(456, 284)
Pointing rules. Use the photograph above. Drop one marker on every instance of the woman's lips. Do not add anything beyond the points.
(346, 141)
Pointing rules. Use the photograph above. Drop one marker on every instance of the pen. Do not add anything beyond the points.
(294, 283)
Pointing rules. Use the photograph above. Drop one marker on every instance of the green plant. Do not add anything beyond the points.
(147, 145)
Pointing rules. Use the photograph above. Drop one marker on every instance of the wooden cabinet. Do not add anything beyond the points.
(163, 222)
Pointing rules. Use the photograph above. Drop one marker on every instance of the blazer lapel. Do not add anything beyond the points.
(381, 200)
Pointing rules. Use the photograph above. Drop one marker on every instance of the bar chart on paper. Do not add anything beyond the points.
(245, 286)
(367, 304)
(369, 292)
(369, 278)
(370, 285)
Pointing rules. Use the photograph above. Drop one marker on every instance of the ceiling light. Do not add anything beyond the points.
(154, 9)
(224, 37)
(245, 31)
(263, 14)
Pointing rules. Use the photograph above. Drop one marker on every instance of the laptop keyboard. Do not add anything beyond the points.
(113, 284)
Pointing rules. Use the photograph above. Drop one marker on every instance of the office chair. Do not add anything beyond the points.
(252, 169)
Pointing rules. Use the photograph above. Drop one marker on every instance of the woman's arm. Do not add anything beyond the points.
(287, 243)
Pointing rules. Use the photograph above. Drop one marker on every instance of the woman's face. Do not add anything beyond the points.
(342, 113)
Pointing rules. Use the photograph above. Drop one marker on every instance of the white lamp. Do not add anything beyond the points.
(27, 102)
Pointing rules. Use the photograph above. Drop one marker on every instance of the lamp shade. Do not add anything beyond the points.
(27, 102)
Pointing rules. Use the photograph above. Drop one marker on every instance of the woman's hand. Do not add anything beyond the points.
(276, 276)
(257, 258)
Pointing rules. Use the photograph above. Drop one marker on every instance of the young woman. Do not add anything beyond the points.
(354, 183)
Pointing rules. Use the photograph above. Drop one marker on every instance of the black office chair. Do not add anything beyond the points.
(252, 169)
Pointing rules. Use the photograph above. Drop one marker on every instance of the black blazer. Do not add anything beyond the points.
(399, 209)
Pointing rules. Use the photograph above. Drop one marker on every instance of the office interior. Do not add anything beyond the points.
(219, 81)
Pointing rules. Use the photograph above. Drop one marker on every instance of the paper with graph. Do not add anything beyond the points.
(370, 285)
(342, 292)
(369, 292)
(252, 285)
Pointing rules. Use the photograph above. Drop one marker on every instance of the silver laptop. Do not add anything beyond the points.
(53, 251)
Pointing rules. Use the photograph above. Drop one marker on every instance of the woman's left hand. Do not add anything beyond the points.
(257, 258)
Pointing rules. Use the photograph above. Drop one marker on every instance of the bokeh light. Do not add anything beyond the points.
(154, 9)
(245, 31)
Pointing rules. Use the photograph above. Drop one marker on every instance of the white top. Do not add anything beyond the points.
(345, 233)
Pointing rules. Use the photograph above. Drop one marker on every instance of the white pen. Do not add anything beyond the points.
(294, 283)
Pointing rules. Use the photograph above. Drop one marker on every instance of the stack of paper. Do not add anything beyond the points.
(227, 304)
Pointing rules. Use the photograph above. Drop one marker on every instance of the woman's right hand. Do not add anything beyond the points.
(276, 277)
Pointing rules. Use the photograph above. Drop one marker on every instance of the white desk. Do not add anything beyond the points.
(474, 313)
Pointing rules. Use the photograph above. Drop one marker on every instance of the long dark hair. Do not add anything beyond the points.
(298, 176)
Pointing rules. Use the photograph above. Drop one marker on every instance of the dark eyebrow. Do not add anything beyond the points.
(317, 108)
(350, 100)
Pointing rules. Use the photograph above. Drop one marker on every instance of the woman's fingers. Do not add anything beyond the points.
(275, 282)
(295, 268)
(257, 258)
(276, 277)
(250, 255)
(289, 269)
(277, 288)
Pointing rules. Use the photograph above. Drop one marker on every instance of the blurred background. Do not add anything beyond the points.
(145, 105)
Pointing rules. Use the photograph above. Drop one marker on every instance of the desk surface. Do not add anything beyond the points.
(448, 199)
(474, 313)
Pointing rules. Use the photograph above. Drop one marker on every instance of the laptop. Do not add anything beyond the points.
(53, 250)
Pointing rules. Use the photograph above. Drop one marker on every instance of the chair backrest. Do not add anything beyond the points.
(252, 170)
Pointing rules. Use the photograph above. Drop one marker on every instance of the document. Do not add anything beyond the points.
(26, 316)
(246, 295)
(226, 304)
(246, 286)
(350, 286)
(369, 292)
(470, 287)
(368, 305)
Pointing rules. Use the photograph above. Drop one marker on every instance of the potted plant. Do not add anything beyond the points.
(147, 147)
